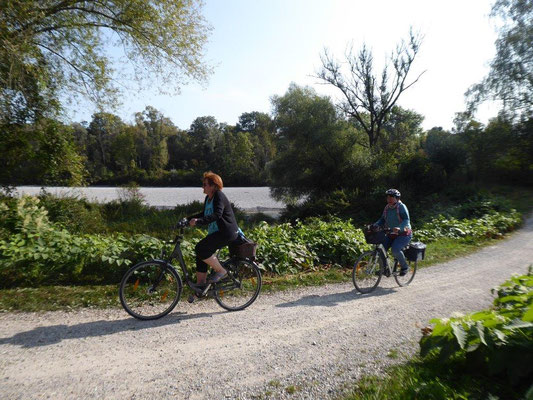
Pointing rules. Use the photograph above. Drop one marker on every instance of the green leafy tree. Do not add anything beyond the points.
(262, 134)
(235, 159)
(510, 78)
(54, 48)
(367, 98)
(402, 133)
(205, 134)
(445, 149)
(154, 129)
(314, 145)
(43, 153)
(101, 132)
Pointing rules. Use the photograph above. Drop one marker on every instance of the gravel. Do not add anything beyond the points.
(309, 343)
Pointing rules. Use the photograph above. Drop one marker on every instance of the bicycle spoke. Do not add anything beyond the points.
(242, 286)
(150, 290)
(367, 271)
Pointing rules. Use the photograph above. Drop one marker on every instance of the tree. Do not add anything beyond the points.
(154, 129)
(101, 133)
(54, 48)
(261, 130)
(205, 134)
(402, 132)
(314, 145)
(367, 99)
(510, 78)
(43, 153)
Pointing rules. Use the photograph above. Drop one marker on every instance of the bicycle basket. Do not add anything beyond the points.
(373, 237)
(416, 251)
(244, 250)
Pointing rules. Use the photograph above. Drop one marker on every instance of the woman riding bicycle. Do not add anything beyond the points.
(221, 227)
(396, 217)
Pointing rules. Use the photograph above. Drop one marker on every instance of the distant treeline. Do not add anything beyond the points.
(304, 147)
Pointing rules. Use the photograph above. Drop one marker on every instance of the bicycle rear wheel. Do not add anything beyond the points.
(367, 271)
(407, 278)
(150, 290)
(241, 287)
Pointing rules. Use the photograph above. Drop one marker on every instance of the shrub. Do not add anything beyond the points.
(496, 342)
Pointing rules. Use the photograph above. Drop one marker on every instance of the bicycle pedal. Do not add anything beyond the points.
(191, 298)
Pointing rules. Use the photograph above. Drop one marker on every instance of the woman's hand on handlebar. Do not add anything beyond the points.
(192, 222)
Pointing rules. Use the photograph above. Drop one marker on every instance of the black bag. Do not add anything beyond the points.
(374, 237)
(415, 252)
(242, 247)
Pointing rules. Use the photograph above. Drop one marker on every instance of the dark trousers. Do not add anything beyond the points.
(208, 246)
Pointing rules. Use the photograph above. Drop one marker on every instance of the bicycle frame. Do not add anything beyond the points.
(381, 249)
(178, 254)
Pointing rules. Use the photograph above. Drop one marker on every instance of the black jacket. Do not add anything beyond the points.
(222, 214)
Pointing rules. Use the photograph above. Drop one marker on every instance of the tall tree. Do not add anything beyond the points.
(50, 48)
(101, 132)
(510, 78)
(205, 134)
(367, 98)
(314, 149)
(154, 128)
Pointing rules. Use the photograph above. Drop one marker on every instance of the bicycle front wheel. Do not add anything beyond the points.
(408, 277)
(241, 287)
(150, 290)
(367, 271)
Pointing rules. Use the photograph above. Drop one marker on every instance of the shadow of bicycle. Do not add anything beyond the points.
(331, 300)
(47, 335)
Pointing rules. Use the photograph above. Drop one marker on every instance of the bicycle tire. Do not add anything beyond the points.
(137, 293)
(241, 287)
(408, 278)
(367, 271)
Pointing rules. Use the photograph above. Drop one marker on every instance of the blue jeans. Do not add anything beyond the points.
(398, 245)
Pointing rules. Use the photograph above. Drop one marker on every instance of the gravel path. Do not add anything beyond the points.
(309, 342)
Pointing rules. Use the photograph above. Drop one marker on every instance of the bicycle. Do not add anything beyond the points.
(151, 289)
(373, 264)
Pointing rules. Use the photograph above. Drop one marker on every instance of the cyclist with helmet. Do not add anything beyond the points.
(396, 217)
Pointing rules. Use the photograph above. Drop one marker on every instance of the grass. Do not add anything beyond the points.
(431, 379)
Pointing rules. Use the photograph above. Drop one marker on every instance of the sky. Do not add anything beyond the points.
(257, 48)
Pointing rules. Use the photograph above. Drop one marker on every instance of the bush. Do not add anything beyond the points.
(76, 214)
(497, 343)
(35, 250)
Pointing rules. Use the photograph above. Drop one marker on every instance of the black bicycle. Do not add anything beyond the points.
(372, 265)
(151, 289)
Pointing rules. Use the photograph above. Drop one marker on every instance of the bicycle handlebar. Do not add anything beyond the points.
(182, 223)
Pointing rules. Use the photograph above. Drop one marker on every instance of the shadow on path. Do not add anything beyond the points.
(47, 335)
(331, 300)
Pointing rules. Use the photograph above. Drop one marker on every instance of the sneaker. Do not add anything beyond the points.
(217, 277)
(404, 272)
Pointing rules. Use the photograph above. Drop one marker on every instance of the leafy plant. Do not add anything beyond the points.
(498, 342)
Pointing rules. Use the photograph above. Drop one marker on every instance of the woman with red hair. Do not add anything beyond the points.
(222, 229)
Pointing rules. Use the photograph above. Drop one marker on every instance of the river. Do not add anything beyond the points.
(249, 199)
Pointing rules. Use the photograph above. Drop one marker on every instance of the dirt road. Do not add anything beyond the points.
(303, 344)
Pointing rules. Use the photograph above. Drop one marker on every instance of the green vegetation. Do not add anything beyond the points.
(486, 354)
(44, 242)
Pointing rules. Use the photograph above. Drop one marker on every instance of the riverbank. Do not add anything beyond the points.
(248, 199)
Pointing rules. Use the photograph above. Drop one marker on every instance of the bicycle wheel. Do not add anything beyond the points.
(367, 271)
(241, 287)
(150, 290)
(407, 278)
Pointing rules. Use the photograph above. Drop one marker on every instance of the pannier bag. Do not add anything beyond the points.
(243, 247)
(416, 251)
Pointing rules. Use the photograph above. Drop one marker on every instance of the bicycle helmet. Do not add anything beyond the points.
(393, 192)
